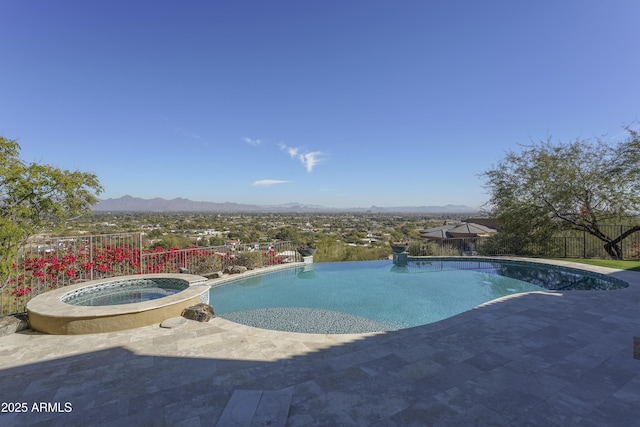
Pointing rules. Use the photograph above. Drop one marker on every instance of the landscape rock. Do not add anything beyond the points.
(214, 275)
(201, 312)
(235, 269)
(13, 323)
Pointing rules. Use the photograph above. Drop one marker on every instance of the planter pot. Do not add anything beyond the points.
(307, 251)
(399, 248)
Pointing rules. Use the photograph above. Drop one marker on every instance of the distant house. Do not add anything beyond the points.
(232, 243)
(487, 222)
(457, 231)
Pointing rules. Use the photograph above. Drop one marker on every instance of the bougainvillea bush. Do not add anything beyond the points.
(38, 272)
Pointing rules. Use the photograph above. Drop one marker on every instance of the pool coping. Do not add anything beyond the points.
(48, 313)
(563, 265)
(51, 302)
(252, 273)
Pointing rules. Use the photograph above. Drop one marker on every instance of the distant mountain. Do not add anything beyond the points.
(137, 204)
(425, 209)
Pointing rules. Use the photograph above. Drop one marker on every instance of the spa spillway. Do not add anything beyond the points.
(115, 304)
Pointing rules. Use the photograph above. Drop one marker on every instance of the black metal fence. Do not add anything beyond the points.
(461, 246)
(570, 245)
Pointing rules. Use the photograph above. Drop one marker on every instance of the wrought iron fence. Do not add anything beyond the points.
(51, 262)
(460, 247)
(588, 246)
(569, 245)
(46, 263)
(204, 260)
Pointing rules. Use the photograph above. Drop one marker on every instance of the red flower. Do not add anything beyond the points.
(20, 292)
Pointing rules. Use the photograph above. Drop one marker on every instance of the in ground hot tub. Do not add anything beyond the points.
(127, 291)
(116, 303)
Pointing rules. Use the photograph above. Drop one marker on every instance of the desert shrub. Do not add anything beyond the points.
(205, 264)
(250, 260)
(426, 248)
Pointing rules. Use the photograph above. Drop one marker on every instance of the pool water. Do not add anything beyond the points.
(125, 292)
(369, 296)
(126, 297)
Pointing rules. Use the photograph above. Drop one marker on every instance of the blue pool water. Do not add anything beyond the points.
(369, 296)
(125, 291)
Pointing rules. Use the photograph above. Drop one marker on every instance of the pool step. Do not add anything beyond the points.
(251, 408)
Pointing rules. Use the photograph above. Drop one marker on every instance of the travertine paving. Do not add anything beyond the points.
(544, 359)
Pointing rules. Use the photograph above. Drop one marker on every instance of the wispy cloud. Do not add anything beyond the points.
(187, 133)
(252, 141)
(177, 130)
(309, 159)
(268, 182)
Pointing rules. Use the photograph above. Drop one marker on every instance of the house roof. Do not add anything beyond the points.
(448, 231)
(471, 228)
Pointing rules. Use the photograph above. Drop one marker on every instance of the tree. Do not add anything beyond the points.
(583, 185)
(173, 241)
(34, 195)
(289, 233)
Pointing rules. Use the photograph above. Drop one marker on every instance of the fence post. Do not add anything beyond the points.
(140, 252)
(91, 256)
(584, 244)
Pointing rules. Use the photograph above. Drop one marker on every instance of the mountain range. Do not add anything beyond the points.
(136, 204)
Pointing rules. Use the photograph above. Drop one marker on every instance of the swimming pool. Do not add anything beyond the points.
(368, 296)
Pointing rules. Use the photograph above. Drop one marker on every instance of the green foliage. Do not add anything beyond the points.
(289, 233)
(580, 186)
(250, 260)
(155, 234)
(216, 241)
(355, 236)
(331, 251)
(409, 232)
(508, 244)
(33, 196)
(424, 248)
(363, 253)
(173, 241)
(431, 248)
(327, 250)
(205, 265)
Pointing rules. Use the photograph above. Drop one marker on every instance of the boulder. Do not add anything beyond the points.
(13, 323)
(201, 312)
(235, 269)
(214, 275)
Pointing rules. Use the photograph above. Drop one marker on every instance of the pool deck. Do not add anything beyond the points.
(542, 359)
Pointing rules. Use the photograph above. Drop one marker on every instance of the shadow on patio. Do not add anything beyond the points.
(536, 359)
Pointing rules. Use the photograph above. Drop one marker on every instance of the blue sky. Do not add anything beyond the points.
(335, 103)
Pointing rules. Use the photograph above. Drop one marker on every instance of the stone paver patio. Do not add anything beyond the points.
(543, 359)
